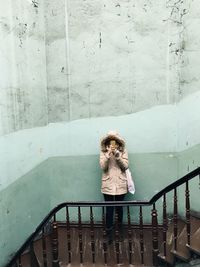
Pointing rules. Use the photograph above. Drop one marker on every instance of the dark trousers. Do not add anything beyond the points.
(110, 210)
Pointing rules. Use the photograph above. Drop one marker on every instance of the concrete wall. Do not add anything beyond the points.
(60, 60)
(23, 100)
(71, 71)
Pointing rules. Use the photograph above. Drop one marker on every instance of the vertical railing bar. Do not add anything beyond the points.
(19, 261)
(44, 252)
(104, 236)
(141, 236)
(175, 218)
(154, 235)
(199, 181)
(117, 234)
(33, 259)
(187, 206)
(80, 235)
(92, 234)
(55, 261)
(129, 235)
(165, 225)
(68, 236)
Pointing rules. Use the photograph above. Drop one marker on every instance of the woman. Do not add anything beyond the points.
(114, 162)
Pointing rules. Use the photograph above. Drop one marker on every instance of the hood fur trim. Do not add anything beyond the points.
(112, 135)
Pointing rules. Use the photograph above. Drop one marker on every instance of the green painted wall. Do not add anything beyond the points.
(189, 160)
(22, 205)
(79, 178)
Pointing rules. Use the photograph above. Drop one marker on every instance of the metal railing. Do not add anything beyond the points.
(51, 217)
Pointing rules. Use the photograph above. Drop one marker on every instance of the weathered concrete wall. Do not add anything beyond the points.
(56, 42)
(190, 50)
(66, 60)
(122, 49)
(23, 101)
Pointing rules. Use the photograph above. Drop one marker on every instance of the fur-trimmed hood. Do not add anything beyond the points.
(112, 135)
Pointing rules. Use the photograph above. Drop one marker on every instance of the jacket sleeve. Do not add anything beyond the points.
(123, 161)
(103, 161)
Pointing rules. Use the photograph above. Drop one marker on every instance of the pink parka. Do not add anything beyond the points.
(114, 180)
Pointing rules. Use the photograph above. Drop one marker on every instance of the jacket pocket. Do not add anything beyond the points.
(123, 177)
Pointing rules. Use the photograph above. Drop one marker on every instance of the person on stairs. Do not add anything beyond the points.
(113, 162)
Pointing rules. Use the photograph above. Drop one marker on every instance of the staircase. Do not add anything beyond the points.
(172, 241)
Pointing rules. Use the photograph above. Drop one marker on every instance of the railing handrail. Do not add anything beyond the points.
(175, 184)
(157, 196)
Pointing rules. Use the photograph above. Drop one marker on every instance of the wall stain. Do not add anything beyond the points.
(183, 82)
(129, 41)
(157, 96)
(35, 3)
(144, 8)
(171, 44)
(118, 6)
(53, 13)
(22, 29)
(4, 25)
(100, 40)
(177, 11)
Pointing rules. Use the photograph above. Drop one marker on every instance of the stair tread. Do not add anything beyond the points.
(195, 242)
(169, 258)
(194, 249)
(103, 265)
(182, 252)
(166, 259)
(180, 255)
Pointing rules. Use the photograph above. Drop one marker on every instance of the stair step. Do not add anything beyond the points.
(193, 249)
(103, 265)
(182, 251)
(195, 241)
(180, 255)
(166, 259)
(87, 257)
(169, 258)
(38, 252)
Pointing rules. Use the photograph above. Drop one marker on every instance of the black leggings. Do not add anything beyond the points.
(110, 209)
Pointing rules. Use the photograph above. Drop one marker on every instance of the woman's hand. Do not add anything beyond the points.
(109, 152)
(117, 154)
